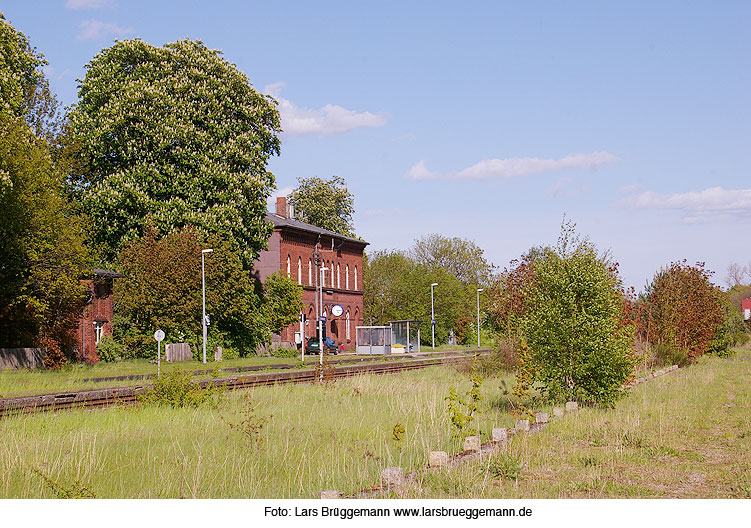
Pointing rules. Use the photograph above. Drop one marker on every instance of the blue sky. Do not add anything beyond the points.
(484, 120)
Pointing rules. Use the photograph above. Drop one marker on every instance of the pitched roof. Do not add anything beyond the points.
(282, 222)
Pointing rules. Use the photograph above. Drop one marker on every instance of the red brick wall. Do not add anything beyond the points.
(99, 310)
(299, 247)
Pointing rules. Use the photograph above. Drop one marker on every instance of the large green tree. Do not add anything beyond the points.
(42, 252)
(172, 136)
(396, 287)
(324, 203)
(162, 289)
(461, 257)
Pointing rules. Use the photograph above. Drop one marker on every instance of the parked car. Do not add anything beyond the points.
(329, 346)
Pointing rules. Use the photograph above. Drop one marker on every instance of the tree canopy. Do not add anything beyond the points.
(42, 251)
(327, 204)
(172, 136)
(162, 289)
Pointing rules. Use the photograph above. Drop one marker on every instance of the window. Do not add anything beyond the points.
(346, 277)
(310, 271)
(355, 277)
(289, 269)
(347, 327)
(98, 331)
(338, 279)
(299, 270)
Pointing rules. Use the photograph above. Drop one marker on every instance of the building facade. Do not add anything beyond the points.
(302, 251)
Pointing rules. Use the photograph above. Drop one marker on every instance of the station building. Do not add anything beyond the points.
(300, 250)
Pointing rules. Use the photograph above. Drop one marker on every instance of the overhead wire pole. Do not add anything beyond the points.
(320, 322)
(204, 319)
(478, 315)
(432, 313)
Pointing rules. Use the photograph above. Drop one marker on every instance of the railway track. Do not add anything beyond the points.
(98, 398)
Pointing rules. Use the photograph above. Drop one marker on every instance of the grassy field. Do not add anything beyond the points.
(26, 382)
(686, 434)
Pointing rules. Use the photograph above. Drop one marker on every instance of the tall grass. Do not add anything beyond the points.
(686, 434)
(320, 437)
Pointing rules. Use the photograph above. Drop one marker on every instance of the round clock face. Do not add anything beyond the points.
(337, 310)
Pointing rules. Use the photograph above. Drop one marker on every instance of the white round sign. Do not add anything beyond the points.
(159, 335)
(337, 310)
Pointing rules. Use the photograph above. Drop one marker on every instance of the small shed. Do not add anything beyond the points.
(373, 339)
(746, 304)
(405, 335)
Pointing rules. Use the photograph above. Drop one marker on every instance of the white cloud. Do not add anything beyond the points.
(715, 203)
(87, 4)
(91, 29)
(329, 119)
(513, 167)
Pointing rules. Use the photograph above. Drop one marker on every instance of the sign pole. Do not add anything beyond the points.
(159, 336)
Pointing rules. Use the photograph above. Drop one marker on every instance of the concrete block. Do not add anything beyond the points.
(218, 354)
(522, 425)
(558, 411)
(438, 458)
(571, 406)
(472, 443)
(500, 434)
(541, 418)
(330, 494)
(392, 477)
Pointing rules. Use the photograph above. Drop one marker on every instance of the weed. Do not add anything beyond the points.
(589, 461)
(505, 466)
(76, 490)
(177, 390)
(397, 435)
(251, 425)
(461, 410)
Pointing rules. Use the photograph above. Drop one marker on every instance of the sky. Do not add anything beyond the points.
(482, 120)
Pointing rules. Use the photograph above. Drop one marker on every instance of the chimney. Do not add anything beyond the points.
(281, 206)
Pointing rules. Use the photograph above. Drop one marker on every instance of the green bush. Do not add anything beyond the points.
(176, 389)
(579, 346)
(284, 352)
(109, 350)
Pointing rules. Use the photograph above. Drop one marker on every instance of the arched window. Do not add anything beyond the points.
(355, 277)
(310, 271)
(346, 277)
(347, 327)
(338, 279)
(299, 270)
(289, 269)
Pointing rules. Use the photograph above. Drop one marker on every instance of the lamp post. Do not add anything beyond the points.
(320, 323)
(432, 314)
(204, 319)
(478, 315)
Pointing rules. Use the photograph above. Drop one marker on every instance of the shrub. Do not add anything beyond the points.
(109, 350)
(284, 352)
(176, 389)
(682, 308)
(579, 345)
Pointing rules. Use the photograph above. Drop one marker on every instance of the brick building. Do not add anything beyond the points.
(299, 250)
(96, 320)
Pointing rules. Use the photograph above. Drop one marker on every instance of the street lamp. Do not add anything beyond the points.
(432, 314)
(205, 318)
(478, 315)
(320, 322)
